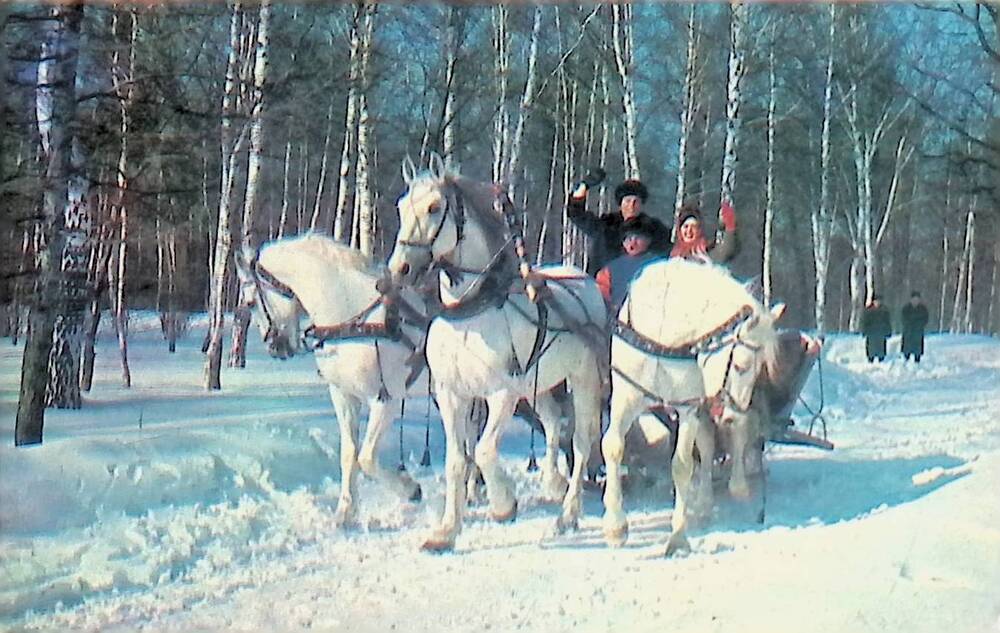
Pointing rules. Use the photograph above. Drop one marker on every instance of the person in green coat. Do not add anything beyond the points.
(876, 326)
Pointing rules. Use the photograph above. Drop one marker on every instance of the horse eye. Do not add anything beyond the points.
(434, 208)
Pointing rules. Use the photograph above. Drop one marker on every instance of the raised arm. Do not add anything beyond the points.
(727, 244)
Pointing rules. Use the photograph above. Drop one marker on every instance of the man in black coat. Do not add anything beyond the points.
(607, 233)
(913, 320)
(876, 326)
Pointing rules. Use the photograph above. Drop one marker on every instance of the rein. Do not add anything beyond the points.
(713, 341)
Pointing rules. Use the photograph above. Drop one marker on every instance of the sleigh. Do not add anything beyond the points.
(800, 353)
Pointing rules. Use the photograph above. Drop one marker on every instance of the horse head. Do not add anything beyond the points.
(273, 307)
(428, 225)
(731, 371)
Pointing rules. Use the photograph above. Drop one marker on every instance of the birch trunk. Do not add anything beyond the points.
(283, 217)
(122, 77)
(231, 142)
(993, 311)
(317, 212)
(55, 104)
(621, 33)
(960, 308)
(366, 144)
(822, 219)
(501, 122)
(251, 199)
(100, 251)
(688, 109)
(116, 289)
(527, 105)
(448, 149)
(738, 16)
(769, 186)
(345, 195)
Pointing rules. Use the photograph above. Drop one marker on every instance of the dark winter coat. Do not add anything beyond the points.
(876, 326)
(875, 322)
(608, 231)
(913, 320)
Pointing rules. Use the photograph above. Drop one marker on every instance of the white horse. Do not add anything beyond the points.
(364, 357)
(495, 344)
(685, 331)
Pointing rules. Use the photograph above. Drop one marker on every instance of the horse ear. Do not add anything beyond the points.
(409, 170)
(437, 166)
(777, 311)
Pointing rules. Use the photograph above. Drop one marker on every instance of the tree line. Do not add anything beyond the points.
(143, 144)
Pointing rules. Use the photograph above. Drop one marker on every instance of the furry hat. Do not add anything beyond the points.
(687, 212)
(631, 187)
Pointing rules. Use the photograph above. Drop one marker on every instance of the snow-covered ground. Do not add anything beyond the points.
(167, 508)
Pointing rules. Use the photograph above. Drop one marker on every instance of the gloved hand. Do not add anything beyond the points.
(593, 178)
(727, 215)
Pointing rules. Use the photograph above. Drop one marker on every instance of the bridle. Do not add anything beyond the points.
(260, 278)
(453, 200)
(724, 397)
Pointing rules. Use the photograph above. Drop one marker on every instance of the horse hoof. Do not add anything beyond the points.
(505, 517)
(344, 520)
(555, 488)
(616, 536)
(437, 545)
(417, 495)
(566, 525)
(677, 543)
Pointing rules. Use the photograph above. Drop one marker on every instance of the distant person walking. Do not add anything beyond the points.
(876, 326)
(913, 320)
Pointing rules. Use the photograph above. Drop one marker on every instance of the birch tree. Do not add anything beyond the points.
(123, 79)
(688, 108)
(251, 200)
(348, 156)
(527, 105)
(364, 208)
(738, 23)
(501, 65)
(621, 35)
(822, 218)
(233, 136)
(56, 296)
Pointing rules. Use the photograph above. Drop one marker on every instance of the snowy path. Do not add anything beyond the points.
(165, 508)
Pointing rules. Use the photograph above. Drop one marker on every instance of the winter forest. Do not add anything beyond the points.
(143, 144)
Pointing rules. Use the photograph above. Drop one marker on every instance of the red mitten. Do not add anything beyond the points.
(604, 283)
(728, 216)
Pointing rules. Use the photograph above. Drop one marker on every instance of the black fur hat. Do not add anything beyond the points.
(631, 187)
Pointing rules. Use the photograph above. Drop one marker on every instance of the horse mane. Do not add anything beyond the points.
(698, 298)
(479, 197)
(322, 247)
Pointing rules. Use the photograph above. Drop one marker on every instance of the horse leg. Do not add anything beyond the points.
(346, 408)
(701, 501)
(380, 417)
(503, 505)
(454, 414)
(474, 488)
(740, 434)
(587, 408)
(682, 470)
(626, 404)
(553, 483)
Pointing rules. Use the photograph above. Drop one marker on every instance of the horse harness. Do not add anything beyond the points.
(726, 334)
(398, 312)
